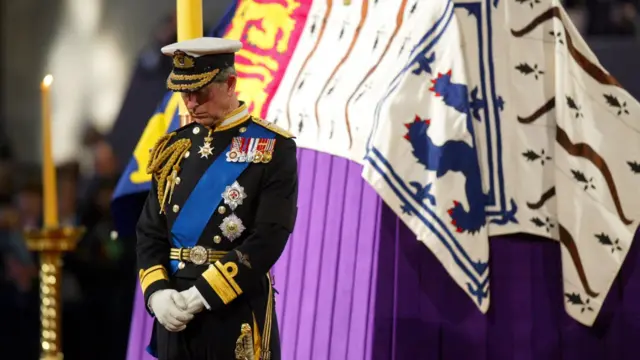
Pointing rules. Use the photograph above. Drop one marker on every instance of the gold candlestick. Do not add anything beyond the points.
(50, 242)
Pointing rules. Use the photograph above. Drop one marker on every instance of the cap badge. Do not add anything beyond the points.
(183, 61)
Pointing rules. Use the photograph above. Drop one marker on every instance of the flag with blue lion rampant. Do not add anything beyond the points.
(422, 156)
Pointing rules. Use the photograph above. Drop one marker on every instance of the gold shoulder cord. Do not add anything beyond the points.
(265, 353)
(164, 159)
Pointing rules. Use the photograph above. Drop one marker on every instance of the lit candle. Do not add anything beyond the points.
(50, 196)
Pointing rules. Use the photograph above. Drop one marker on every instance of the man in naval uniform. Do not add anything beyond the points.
(221, 208)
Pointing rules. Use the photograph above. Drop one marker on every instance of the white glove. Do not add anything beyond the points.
(195, 300)
(170, 309)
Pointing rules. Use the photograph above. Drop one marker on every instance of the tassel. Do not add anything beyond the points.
(172, 182)
(244, 344)
(164, 196)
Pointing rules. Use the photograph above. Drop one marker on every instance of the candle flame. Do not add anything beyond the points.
(46, 82)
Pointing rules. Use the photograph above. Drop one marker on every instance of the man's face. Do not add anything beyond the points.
(209, 105)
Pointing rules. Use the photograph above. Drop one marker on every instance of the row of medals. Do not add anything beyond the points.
(234, 155)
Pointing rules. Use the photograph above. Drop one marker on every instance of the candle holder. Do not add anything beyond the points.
(51, 244)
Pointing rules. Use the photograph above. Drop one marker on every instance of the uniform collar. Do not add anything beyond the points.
(234, 118)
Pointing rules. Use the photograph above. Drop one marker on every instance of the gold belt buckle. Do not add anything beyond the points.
(198, 255)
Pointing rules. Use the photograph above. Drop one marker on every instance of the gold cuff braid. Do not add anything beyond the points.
(151, 275)
(219, 285)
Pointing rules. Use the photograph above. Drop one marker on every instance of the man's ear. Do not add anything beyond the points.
(232, 80)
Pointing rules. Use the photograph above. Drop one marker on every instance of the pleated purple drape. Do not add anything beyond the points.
(421, 314)
(355, 284)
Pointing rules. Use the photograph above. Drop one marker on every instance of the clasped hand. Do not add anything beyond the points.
(175, 309)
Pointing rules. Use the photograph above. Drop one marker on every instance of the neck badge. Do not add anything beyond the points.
(206, 150)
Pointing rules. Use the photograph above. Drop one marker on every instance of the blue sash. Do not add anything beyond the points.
(200, 205)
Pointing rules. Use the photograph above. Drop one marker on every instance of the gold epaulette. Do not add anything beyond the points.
(164, 165)
(273, 127)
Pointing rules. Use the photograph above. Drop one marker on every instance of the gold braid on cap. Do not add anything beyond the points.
(165, 160)
(200, 80)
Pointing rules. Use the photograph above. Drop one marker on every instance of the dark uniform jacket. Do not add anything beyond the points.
(219, 220)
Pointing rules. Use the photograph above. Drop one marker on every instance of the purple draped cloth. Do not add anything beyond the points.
(354, 283)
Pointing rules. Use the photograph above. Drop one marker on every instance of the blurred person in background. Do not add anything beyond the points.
(25, 212)
(102, 263)
(19, 303)
(17, 212)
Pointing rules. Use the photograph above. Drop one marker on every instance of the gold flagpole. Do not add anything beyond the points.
(189, 19)
(51, 241)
